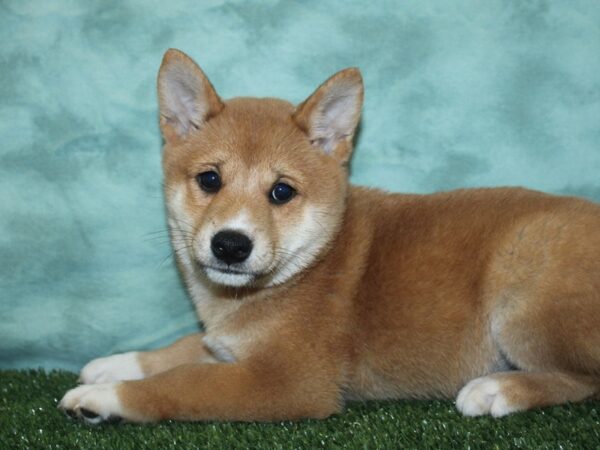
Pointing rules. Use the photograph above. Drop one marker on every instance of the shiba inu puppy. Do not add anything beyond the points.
(313, 292)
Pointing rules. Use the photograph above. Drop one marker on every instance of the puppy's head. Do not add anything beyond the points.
(255, 188)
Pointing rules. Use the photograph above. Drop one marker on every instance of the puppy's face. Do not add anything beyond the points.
(255, 188)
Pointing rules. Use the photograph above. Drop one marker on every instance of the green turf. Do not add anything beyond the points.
(29, 419)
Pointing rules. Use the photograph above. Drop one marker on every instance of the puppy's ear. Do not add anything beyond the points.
(330, 115)
(186, 98)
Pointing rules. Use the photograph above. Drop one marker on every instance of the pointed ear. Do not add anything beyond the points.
(330, 115)
(186, 98)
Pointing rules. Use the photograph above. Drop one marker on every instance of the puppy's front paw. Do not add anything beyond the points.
(124, 366)
(94, 403)
(484, 396)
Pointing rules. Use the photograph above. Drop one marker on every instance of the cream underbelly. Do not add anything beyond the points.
(422, 378)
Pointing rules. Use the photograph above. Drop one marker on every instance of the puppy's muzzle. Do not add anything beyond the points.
(231, 247)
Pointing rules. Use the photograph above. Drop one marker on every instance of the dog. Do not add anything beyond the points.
(314, 292)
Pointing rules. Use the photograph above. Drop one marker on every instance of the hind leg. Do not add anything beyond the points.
(543, 304)
(507, 392)
(553, 341)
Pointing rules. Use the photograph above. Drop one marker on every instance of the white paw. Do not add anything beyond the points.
(94, 403)
(124, 366)
(483, 396)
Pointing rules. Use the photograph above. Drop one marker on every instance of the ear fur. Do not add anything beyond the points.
(186, 97)
(330, 115)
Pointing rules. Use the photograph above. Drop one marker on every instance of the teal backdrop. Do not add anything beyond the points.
(458, 94)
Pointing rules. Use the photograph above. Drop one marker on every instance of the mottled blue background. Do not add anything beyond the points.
(463, 93)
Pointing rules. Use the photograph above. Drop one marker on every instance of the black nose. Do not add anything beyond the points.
(230, 246)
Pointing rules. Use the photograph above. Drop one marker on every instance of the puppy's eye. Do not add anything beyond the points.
(281, 193)
(209, 181)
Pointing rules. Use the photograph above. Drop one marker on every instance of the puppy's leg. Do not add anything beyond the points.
(238, 391)
(554, 339)
(138, 365)
(507, 392)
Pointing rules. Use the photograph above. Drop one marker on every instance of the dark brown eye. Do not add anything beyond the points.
(281, 193)
(209, 181)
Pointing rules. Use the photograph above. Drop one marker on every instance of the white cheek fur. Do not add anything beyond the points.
(301, 245)
(180, 226)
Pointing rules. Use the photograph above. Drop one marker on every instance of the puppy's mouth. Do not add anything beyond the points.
(228, 276)
(227, 270)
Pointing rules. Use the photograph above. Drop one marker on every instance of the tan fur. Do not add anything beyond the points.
(186, 349)
(410, 296)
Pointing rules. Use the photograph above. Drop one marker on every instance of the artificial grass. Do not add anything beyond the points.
(29, 419)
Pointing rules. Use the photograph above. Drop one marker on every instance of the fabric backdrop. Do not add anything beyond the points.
(463, 93)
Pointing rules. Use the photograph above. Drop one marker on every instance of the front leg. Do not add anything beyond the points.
(239, 391)
(138, 365)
